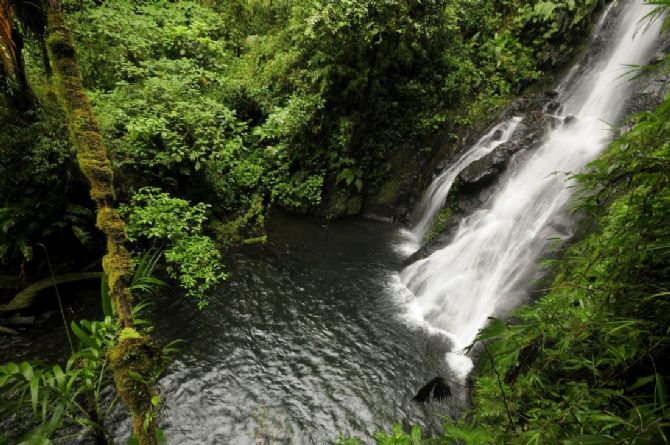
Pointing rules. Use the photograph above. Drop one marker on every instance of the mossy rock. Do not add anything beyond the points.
(440, 224)
(388, 193)
(341, 202)
(335, 205)
(354, 205)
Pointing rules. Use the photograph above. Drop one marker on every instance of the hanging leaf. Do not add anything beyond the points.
(590, 440)
(34, 392)
(545, 10)
(83, 336)
(661, 393)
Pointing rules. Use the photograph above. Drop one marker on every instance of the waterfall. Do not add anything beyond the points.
(491, 261)
(437, 192)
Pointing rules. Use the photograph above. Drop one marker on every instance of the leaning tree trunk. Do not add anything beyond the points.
(134, 353)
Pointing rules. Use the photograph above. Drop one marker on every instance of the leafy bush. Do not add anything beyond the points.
(57, 396)
(40, 401)
(554, 26)
(175, 224)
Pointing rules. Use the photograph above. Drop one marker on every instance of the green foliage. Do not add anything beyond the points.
(143, 284)
(240, 105)
(144, 281)
(176, 112)
(192, 258)
(396, 437)
(553, 26)
(54, 397)
(399, 437)
(57, 397)
(248, 104)
(156, 215)
(39, 200)
(296, 101)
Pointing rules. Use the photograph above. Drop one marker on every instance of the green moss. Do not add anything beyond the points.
(444, 219)
(110, 222)
(127, 333)
(119, 268)
(258, 240)
(337, 204)
(248, 228)
(389, 191)
(354, 205)
(58, 42)
(91, 151)
(440, 223)
(92, 158)
(136, 360)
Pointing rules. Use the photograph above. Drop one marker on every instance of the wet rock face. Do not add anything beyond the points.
(569, 120)
(650, 96)
(529, 135)
(553, 107)
(541, 113)
(483, 171)
(475, 184)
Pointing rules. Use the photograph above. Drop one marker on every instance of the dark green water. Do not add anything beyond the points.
(304, 342)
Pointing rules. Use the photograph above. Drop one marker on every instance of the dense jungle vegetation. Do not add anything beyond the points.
(161, 134)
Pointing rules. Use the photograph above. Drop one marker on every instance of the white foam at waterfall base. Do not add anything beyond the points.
(459, 363)
(492, 259)
(407, 243)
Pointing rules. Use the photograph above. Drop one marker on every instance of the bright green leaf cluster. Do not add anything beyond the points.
(192, 258)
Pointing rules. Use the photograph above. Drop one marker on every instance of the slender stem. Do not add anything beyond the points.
(502, 390)
(60, 303)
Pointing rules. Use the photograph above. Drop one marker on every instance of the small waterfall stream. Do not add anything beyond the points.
(491, 261)
(437, 192)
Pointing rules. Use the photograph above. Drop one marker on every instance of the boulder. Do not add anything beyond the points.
(570, 120)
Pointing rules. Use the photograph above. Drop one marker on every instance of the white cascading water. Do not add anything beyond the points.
(488, 266)
(437, 192)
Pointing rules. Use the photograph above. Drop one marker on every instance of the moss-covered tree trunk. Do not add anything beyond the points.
(134, 353)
